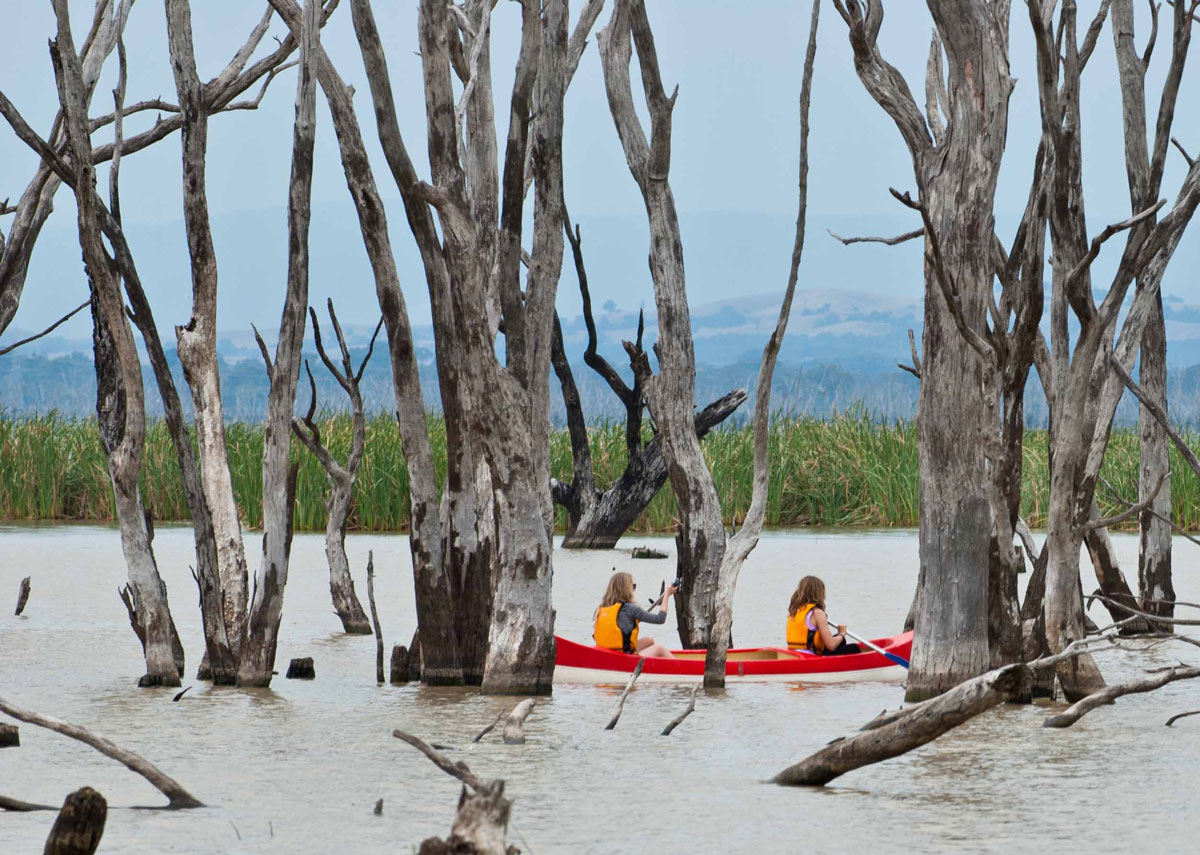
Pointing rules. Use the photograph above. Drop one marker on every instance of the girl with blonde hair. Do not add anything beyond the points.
(616, 619)
(807, 625)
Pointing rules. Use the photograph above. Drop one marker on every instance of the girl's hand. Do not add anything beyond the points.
(841, 629)
(671, 589)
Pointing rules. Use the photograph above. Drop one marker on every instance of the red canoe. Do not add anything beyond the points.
(579, 663)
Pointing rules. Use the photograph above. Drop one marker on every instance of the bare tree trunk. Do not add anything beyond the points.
(266, 608)
(197, 340)
(700, 541)
(119, 398)
(1109, 575)
(1156, 592)
(80, 824)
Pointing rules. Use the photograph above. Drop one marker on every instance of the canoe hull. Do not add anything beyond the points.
(578, 663)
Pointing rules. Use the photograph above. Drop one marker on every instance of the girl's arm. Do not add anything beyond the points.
(827, 635)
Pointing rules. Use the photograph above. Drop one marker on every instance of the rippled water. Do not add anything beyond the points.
(298, 767)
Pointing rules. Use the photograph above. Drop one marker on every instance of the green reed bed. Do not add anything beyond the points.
(851, 470)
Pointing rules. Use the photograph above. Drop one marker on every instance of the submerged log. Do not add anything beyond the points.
(678, 721)
(177, 795)
(10, 736)
(80, 824)
(909, 728)
(22, 595)
(647, 552)
(301, 669)
(399, 664)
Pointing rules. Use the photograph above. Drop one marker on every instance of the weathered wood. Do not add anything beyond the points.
(637, 672)
(22, 596)
(1108, 694)
(924, 723)
(647, 552)
(177, 796)
(399, 665)
(1178, 716)
(375, 619)
(340, 477)
(11, 804)
(80, 824)
(301, 669)
(10, 736)
(120, 404)
(416, 664)
(489, 728)
(675, 722)
(514, 725)
(266, 607)
(197, 340)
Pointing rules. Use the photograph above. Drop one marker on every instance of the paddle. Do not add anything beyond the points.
(678, 581)
(899, 660)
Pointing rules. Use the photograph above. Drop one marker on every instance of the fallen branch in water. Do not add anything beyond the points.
(22, 595)
(489, 728)
(911, 729)
(637, 672)
(481, 824)
(676, 722)
(11, 804)
(1177, 717)
(514, 727)
(178, 797)
(1108, 694)
(375, 617)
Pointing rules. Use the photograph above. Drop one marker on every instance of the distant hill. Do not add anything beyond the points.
(841, 351)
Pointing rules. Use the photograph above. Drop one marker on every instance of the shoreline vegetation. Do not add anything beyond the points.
(850, 470)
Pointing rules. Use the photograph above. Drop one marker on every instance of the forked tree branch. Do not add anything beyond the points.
(10, 348)
(888, 241)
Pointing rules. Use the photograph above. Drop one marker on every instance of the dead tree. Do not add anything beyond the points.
(341, 478)
(597, 519)
(496, 520)
(708, 562)
(1145, 175)
(951, 619)
(257, 659)
(1076, 372)
(119, 397)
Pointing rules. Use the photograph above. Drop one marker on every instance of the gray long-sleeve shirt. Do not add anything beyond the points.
(630, 613)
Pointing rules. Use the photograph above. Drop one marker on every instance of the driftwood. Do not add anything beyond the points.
(514, 726)
(489, 728)
(481, 824)
(637, 672)
(301, 669)
(22, 596)
(80, 824)
(913, 728)
(375, 618)
(177, 796)
(399, 664)
(676, 722)
(1178, 716)
(10, 736)
(18, 806)
(1108, 694)
(647, 552)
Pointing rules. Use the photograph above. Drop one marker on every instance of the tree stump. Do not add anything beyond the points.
(647, 552)
(79, 825)
(23, 595)
(414, 657)
(10, 737)
(399, 664)
(480, 827)
(301, 669)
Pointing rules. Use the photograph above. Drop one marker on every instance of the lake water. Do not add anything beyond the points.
(297, 768)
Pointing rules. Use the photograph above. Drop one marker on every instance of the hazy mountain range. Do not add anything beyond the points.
(841, 350)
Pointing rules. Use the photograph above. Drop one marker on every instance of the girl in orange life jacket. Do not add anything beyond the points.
(807, 626)
(617, 617)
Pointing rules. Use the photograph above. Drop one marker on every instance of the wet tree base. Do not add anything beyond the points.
(10, 736)
(154, 681)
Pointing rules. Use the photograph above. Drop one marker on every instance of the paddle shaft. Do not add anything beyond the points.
(892, 657)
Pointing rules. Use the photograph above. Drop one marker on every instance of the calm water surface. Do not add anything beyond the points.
(298, 767)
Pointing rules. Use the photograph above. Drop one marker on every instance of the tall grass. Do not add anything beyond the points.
(850, 470)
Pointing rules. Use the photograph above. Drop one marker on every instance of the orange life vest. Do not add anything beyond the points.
(608, 635)
(798, 633)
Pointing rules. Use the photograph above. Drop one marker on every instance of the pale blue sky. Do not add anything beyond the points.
(733, 168)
